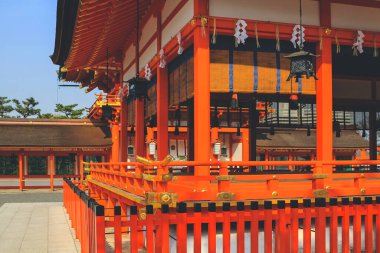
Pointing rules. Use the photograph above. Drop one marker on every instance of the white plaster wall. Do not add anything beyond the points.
(351, 89)
(129, 56)
(148, 30)
(285, 11)
(168, 8)
(148, 54)
(178, 22)
(355, 17)
(130, 73)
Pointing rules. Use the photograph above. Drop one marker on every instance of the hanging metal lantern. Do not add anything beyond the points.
(137, 88)
(301, 64)
(107, 113)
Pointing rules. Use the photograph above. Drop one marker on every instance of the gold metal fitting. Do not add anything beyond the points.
(274, 177)
(143, 160)
(142, 214)
(225, 196)
(327, 187)
(165, 198)
(320, 193)
(274, 193)
(167, 160)
(167, 177)
(363, 190)
(320, 176)
(362, 175)
(328, 31)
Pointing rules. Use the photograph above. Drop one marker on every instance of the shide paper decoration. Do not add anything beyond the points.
(148, 72)
(240, 32)
(162, 59)
(179, 39)
(358, 44)
(298, 36)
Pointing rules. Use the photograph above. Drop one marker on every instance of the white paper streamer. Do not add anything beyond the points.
(179, 39)
(240, 32)
(148, 72)
(298, 36)
(162, 59)
(358, 44)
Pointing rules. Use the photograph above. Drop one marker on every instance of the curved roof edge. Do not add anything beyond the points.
(66, 18)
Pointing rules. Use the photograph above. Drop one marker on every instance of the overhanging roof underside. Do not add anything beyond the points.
(99, 25)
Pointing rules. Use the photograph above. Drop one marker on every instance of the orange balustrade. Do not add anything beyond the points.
(228, 181)
(273, 225)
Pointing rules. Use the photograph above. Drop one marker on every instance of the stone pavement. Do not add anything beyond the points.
(28, 196)
(35, 227)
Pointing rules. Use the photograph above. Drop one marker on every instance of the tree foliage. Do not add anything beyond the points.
(69, 111)
(27, 107)
(5, 107)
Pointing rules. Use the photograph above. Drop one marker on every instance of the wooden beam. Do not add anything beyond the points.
(362, 3)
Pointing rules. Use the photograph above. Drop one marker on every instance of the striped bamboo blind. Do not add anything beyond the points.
(250, 71)
(131, 112)
(181, 82)
(151, 102)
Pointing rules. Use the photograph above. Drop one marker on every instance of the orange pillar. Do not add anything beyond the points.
(201, 104)
(324, 93)
(21, 171)
(139, 129)
(162, 102)
(80, 165)
(52, 171)
(115, 142)
(162, 113)
(123, 156)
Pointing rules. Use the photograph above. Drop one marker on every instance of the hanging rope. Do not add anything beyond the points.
(203, 26)
(257, 37)
(213, 40)
(375, 49)
(278, 47)
(337, 43)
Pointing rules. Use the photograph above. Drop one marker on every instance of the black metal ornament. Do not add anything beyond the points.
(301, 64)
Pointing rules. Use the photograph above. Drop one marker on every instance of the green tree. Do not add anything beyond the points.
(69, 111)
(27, 107)
(5, 107)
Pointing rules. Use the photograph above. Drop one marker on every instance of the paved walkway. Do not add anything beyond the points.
(35, 227)
(28, 196)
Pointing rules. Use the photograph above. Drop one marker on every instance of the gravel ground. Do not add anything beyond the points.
(30, 196)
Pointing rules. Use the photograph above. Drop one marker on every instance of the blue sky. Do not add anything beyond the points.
(27, 35)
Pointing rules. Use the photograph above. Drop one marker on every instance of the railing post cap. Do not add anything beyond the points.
(117, 210)
(226, 206)
(240, 206)
(99, 210)
(281, 204)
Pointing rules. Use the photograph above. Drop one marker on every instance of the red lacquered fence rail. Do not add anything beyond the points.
(296, 225)
(301, 179)
(87, 217)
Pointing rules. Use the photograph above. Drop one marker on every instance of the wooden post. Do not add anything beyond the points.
(252, 132)
(123, 156)
(115, 142)
(139, 129)
(201, 96)
(52, 171)
(324, 103)
(80, 165)
(162, 102)
(373, 128)
(21, 172)
(324, 94)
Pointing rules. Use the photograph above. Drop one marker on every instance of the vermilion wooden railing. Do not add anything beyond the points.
(228, 182)
(295, 225)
